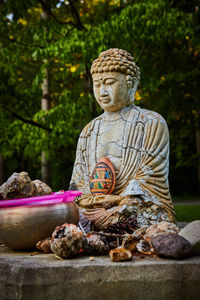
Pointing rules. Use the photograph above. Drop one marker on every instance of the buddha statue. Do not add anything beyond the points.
(135, 140)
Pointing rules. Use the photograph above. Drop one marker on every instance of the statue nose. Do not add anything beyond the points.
(103, 91)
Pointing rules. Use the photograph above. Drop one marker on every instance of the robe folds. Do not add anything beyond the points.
(141, 161)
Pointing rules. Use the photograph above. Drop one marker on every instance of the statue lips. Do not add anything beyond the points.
(105, 100)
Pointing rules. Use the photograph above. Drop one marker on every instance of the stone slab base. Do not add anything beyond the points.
(27, 276)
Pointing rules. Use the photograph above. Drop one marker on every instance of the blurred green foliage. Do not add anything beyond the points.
(187, 213)
(163, 37)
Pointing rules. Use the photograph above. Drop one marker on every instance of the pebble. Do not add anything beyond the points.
(120, 254)
(91, 258)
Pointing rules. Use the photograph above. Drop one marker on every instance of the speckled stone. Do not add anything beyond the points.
(171, 245)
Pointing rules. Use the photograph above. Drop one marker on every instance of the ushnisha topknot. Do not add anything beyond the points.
(117, 60)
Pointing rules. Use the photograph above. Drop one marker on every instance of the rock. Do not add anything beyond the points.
(160, 229)
(67, 240)
(44, 245)
(171, 245)
(93, 245)
(91, 258)
(19, 185)
(191, 232)
(120, 254)
(41, 188)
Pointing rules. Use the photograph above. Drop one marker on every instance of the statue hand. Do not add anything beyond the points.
(97, 201)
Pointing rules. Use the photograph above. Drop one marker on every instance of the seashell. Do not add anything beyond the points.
(144, 247)
(102, 180)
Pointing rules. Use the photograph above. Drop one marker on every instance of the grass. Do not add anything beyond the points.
(185, 198)
(187, 213)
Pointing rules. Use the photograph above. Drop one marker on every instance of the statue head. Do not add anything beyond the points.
(115, 79)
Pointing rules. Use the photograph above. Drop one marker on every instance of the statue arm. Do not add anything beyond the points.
(80, 171)
(152, 173)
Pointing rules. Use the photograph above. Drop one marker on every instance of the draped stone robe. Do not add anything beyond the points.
(137, 143)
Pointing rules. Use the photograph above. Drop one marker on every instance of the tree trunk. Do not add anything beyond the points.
(2, 169)
(46, 105)
(197, 135)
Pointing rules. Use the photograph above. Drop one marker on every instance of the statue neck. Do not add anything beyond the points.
(116, 115)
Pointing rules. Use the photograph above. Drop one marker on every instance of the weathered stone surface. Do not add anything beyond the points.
(191, 232)
(171, 245)
(43, 276)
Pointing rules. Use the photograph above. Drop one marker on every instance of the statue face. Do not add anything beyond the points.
(110, 90)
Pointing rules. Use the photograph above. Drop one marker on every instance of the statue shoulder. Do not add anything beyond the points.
(146, 115)
(90, 127)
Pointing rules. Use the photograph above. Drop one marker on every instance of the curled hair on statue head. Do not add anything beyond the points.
(118, 60)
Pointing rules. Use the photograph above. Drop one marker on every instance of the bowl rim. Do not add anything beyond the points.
(54, 198)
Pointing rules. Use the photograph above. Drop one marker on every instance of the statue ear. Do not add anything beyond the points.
(131, 93)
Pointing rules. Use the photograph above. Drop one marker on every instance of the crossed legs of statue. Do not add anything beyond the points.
(111, 213)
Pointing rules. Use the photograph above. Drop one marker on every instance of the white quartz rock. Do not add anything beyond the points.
(191, 232)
